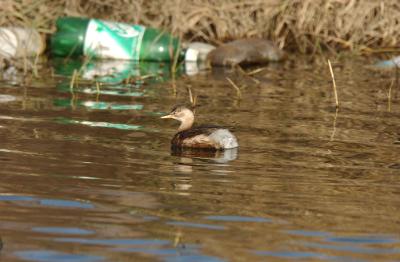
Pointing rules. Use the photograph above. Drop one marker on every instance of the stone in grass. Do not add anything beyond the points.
(245, 52)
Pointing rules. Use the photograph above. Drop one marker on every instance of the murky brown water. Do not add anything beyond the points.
(87, 174)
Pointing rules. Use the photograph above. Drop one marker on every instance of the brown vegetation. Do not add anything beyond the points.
(300, 25)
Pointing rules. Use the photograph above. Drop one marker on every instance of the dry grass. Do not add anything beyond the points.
(301, 25)
(334, 84)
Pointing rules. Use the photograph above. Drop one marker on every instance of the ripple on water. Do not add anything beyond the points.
(354, 244)
(293, 254)
(96, 105)
(46, 202)
(115, 242)
(353, 248)
(51, 256)
(364, 239)
(98, 124)
(63, 230)
(239, 219)
(196, 225)
(187, 252)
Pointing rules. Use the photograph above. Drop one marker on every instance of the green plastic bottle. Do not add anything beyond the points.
(96, 38)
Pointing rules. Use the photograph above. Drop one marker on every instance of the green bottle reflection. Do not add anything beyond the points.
(117, 71)
(108, 77)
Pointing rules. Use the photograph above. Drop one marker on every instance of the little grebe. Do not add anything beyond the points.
(205, 137)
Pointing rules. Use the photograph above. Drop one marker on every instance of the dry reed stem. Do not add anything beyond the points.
(389, 94)
(97, 91)
(334, 124)
(73, 79)
(71, 88)
(192, 98)
(178, 237)
(256, 71)
(244, 73)
(144, 77)
(238, 92)
(334, 84)
(35, 66)
(176, 57)
(173, 85)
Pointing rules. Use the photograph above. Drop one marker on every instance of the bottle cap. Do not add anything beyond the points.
(191, 55)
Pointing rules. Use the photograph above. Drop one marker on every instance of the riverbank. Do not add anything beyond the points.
(306, 26)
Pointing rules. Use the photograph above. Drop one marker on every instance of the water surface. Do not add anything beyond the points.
(87, 173)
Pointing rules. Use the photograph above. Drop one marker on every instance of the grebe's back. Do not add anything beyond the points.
(205, 136)
(208, 137)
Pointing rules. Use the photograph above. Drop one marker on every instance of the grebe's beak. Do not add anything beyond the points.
(168, 116)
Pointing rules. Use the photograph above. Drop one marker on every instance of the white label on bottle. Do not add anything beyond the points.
(113, 40)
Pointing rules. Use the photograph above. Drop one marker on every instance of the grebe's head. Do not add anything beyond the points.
(182, 114)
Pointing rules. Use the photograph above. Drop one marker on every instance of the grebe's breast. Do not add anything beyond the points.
(207, 137)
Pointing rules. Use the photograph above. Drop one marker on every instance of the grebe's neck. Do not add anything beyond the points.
(186, 122)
